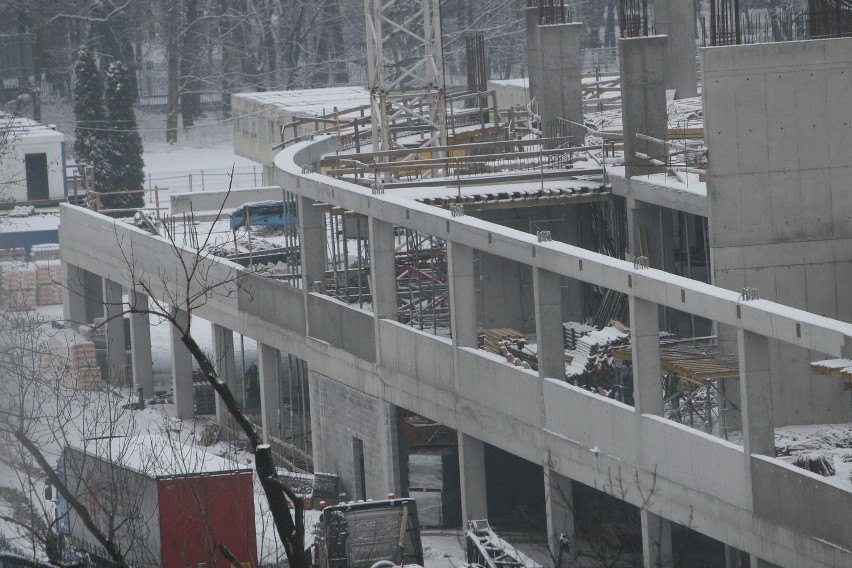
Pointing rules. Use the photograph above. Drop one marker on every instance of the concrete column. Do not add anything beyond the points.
(756, 394)
(140, 344)
(755, 401)
(472, 477)
(74, 296)
(390, 429)
(548, 319)
(270, 391)
(182, 371)
(312, 242)
(656, 541)
(735, 558)
(645, 344)
(643, 99)
(561, 79)
(645, 218)
(83, 299)
(559, 508)
(116, 357)
(572, 302)
(676, 19)
(383, 269)
(224, 360)
(462, 294)
(533, 51)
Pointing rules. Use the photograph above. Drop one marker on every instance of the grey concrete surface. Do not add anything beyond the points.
(643, 99)
(676, 19)
(581, 435)
(561, 92)
(140, 341)
(780, 223)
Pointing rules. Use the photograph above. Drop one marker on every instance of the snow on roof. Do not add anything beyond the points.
(43, 219)
(517, 189)
(27, 128)
(311, 101)
(155, 456)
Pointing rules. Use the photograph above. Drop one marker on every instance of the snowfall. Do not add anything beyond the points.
(208, 149)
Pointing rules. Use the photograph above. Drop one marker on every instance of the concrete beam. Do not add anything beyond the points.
(462, 294)
(140, 343)
(561, 81)
(383, 269)
(548, 318)
(559, 508)
(74, 298)
(472, 477)
(311, 242)
(533, 51)
(756, 394)
(116, 357)
(656, 541)
(224, 359)
(676, 19)
(182, 387)
(645, 345)
(270, 391)
(643, 99)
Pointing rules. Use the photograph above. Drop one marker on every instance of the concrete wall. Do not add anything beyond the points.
(510, 92)
(676, 19)
(341, 414)
(541, 420)
(225, 200)
(781, 157)
(643, 99)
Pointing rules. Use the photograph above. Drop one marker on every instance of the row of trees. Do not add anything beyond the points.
(106, 136)
(219, 47)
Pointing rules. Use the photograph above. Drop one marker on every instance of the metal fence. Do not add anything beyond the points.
(207, 180)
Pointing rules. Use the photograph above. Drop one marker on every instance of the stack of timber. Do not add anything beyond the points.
(511, 344)
(834, 368)
(690, 364)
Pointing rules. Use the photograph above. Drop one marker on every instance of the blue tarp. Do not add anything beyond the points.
(264, 213)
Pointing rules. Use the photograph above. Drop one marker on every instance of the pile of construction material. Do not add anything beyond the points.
(17, 285)
(74, 358)
(25, 285)
(48, 282)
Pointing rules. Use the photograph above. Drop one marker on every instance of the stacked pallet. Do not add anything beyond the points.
(17, 285)
(83, 369)
(48, 282)
(75, 358)
(45, 252)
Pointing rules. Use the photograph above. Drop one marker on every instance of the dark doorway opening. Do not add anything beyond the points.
(37, 188)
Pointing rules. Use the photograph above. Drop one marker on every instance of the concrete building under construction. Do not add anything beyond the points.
(445, 264)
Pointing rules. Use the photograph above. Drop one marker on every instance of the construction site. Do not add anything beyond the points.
(602, 307)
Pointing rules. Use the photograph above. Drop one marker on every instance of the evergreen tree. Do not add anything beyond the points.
(89, 111)
(124, 168)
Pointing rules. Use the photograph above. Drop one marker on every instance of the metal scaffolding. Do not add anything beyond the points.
(405, 70)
